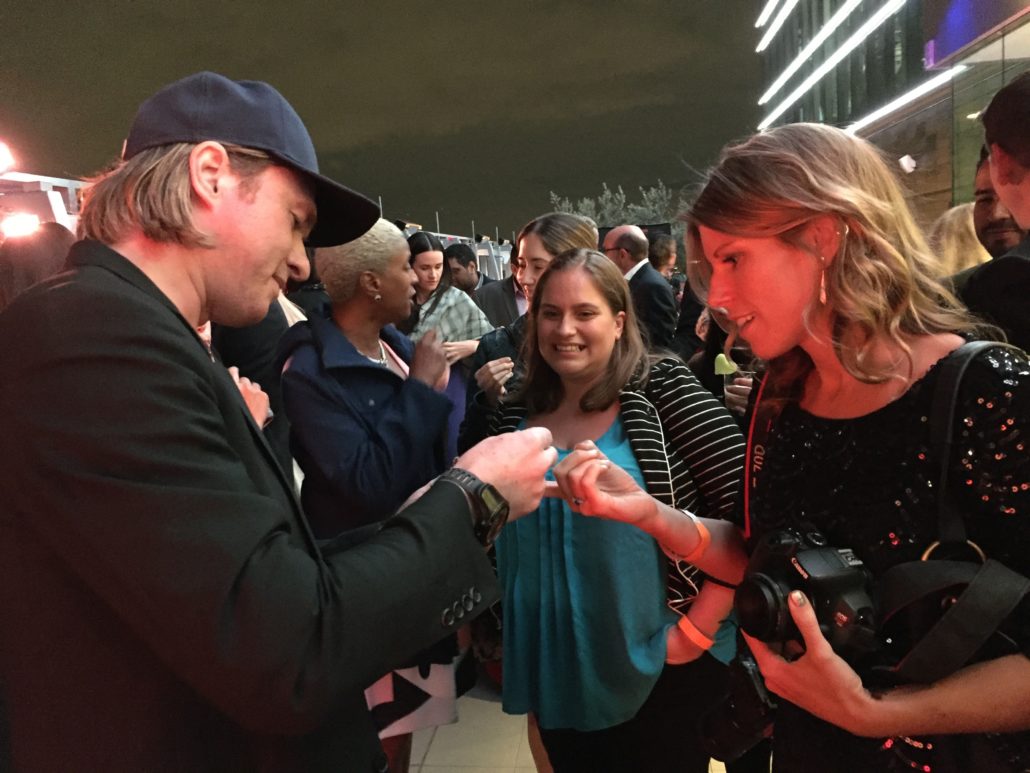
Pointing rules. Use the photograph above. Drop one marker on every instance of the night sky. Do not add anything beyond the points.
(474, 109)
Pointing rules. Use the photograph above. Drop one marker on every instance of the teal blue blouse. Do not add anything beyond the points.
(585, 617)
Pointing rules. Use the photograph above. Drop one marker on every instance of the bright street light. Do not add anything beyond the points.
(19, 224)
(6, 158)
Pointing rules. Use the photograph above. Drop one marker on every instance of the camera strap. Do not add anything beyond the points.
(757, 438)
(991, 590)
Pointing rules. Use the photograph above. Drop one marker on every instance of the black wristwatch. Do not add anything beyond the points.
(489, 508)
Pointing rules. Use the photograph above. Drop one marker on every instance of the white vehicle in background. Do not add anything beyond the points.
(27, 200)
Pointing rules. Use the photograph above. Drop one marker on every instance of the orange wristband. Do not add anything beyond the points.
(691, 632)
(703, 534)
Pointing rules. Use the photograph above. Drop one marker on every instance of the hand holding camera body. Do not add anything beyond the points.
(834, 579)
(837, 585)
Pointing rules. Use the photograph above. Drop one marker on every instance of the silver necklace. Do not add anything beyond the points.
(381, 359)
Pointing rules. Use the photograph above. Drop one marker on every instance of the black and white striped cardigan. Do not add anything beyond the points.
(689, 449)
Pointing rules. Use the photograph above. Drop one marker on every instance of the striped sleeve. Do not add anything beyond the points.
(701, 432)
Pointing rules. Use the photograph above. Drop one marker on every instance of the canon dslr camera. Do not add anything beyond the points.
(833, 579)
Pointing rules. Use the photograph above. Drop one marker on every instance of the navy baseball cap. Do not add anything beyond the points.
(252, 114)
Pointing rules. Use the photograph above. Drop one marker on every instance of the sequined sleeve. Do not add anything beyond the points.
(993, 424)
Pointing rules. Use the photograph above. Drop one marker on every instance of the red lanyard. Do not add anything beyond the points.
(755, 456)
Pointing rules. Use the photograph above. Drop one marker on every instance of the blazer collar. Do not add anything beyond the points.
(92, 253)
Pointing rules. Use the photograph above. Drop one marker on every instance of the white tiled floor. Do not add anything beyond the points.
(484, 740)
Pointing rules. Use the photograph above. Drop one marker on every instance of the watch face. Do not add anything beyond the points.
(496, 515)
(492, 499)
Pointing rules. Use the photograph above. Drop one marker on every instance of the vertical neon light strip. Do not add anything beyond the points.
(907, 97)
(874, 21)
(776, 24)
(820, 37)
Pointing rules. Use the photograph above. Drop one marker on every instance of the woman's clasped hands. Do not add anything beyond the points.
(592, 485)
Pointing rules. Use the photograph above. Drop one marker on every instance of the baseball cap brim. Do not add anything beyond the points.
(342, 214)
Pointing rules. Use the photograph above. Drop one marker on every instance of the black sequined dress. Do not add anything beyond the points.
(867, 483)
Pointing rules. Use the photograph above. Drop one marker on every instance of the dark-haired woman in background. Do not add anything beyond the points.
(587, 627)
(452, 313)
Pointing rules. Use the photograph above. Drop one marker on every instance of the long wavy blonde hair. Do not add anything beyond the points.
(881, 283)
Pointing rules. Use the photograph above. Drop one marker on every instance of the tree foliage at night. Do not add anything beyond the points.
(655, 204)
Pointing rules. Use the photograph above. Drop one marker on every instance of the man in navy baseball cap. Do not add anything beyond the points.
(250, 114)
(166, 605)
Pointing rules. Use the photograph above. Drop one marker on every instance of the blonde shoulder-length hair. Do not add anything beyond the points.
(881, 284)
(152, 193)
(954, 241)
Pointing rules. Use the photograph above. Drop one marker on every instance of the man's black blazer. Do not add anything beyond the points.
(655, 304)
(999, 291)
(165, 605)
(497, 300)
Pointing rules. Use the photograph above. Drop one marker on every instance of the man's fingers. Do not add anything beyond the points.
(541, 435)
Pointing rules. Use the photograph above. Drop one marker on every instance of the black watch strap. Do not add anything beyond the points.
(489, 508)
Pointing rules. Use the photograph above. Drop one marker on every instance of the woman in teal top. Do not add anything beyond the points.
(609, 578)
(596, 644)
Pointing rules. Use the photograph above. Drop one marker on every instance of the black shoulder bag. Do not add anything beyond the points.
(969, 599)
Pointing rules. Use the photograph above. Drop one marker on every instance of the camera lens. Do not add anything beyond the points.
(761, 606)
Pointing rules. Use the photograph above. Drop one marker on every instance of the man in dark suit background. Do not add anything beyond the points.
(464, 265)
(653, 299)
(503, 301)
(165, 605)
(999, 289)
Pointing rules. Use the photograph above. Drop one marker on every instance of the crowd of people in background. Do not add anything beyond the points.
(291, 582)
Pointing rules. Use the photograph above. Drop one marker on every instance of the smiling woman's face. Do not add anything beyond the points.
(576, 329)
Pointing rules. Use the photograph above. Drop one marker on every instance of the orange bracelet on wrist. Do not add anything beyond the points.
(703, 534)
(692, 632)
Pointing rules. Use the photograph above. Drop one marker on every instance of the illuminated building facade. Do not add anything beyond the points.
(910, 75)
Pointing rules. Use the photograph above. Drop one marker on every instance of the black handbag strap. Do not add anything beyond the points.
(950, 528)
(967, 625)
(906, 583)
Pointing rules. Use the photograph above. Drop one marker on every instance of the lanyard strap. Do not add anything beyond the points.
(757, 436)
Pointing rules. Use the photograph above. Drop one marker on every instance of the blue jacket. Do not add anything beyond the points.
(364, 437)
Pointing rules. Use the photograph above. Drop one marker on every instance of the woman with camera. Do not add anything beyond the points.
(804, 243)
(588, 628)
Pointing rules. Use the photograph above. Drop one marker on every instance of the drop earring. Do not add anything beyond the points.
(822, 283)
